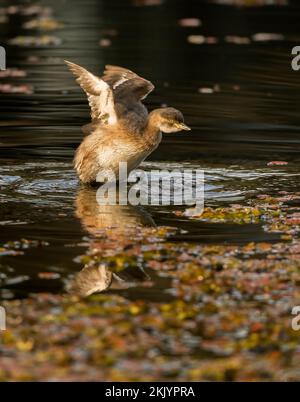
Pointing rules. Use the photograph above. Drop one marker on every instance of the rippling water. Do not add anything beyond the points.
(241, 101)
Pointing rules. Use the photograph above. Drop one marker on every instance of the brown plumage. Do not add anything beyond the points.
(121, 129)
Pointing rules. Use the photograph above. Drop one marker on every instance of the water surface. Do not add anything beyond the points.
(241, 101)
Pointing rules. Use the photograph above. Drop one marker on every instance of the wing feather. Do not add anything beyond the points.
(99, 94)
(126, 83)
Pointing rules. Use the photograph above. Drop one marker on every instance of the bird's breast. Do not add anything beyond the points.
(133, 152)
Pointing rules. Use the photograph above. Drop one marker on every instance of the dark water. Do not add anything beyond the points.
(242, 102)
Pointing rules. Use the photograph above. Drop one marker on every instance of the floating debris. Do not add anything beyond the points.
(211, 40)
(238, 40)
(48, 275)
(16, 89)
(43, 24)
(12, 73)
(251, 3)
(33, 59)
(5, 252)
(3, 19)
(25, 244)
(35, 41)
(228, 301)
(277, 163)
(105, 42)
(29, 10)
(235, 214)
(141, 3)
(200, 40)
(206, 90)
(267, 37)
(210, 90)
(190, 22)
(196, 39)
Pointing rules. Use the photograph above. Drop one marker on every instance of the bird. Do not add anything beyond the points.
(121, 129)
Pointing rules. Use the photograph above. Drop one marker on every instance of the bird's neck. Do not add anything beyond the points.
(152, 133)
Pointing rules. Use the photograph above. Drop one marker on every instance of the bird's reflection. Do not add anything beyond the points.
(97, 218)
(115, 222)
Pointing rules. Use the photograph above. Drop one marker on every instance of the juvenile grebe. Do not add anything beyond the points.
(121, 129)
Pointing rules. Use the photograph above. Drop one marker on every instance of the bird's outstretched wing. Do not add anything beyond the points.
(100, 94)
(126, 84)
(112, 95)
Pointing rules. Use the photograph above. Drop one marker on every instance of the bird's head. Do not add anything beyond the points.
(169, 120)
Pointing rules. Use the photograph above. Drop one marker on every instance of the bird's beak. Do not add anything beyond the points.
(183, 126)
